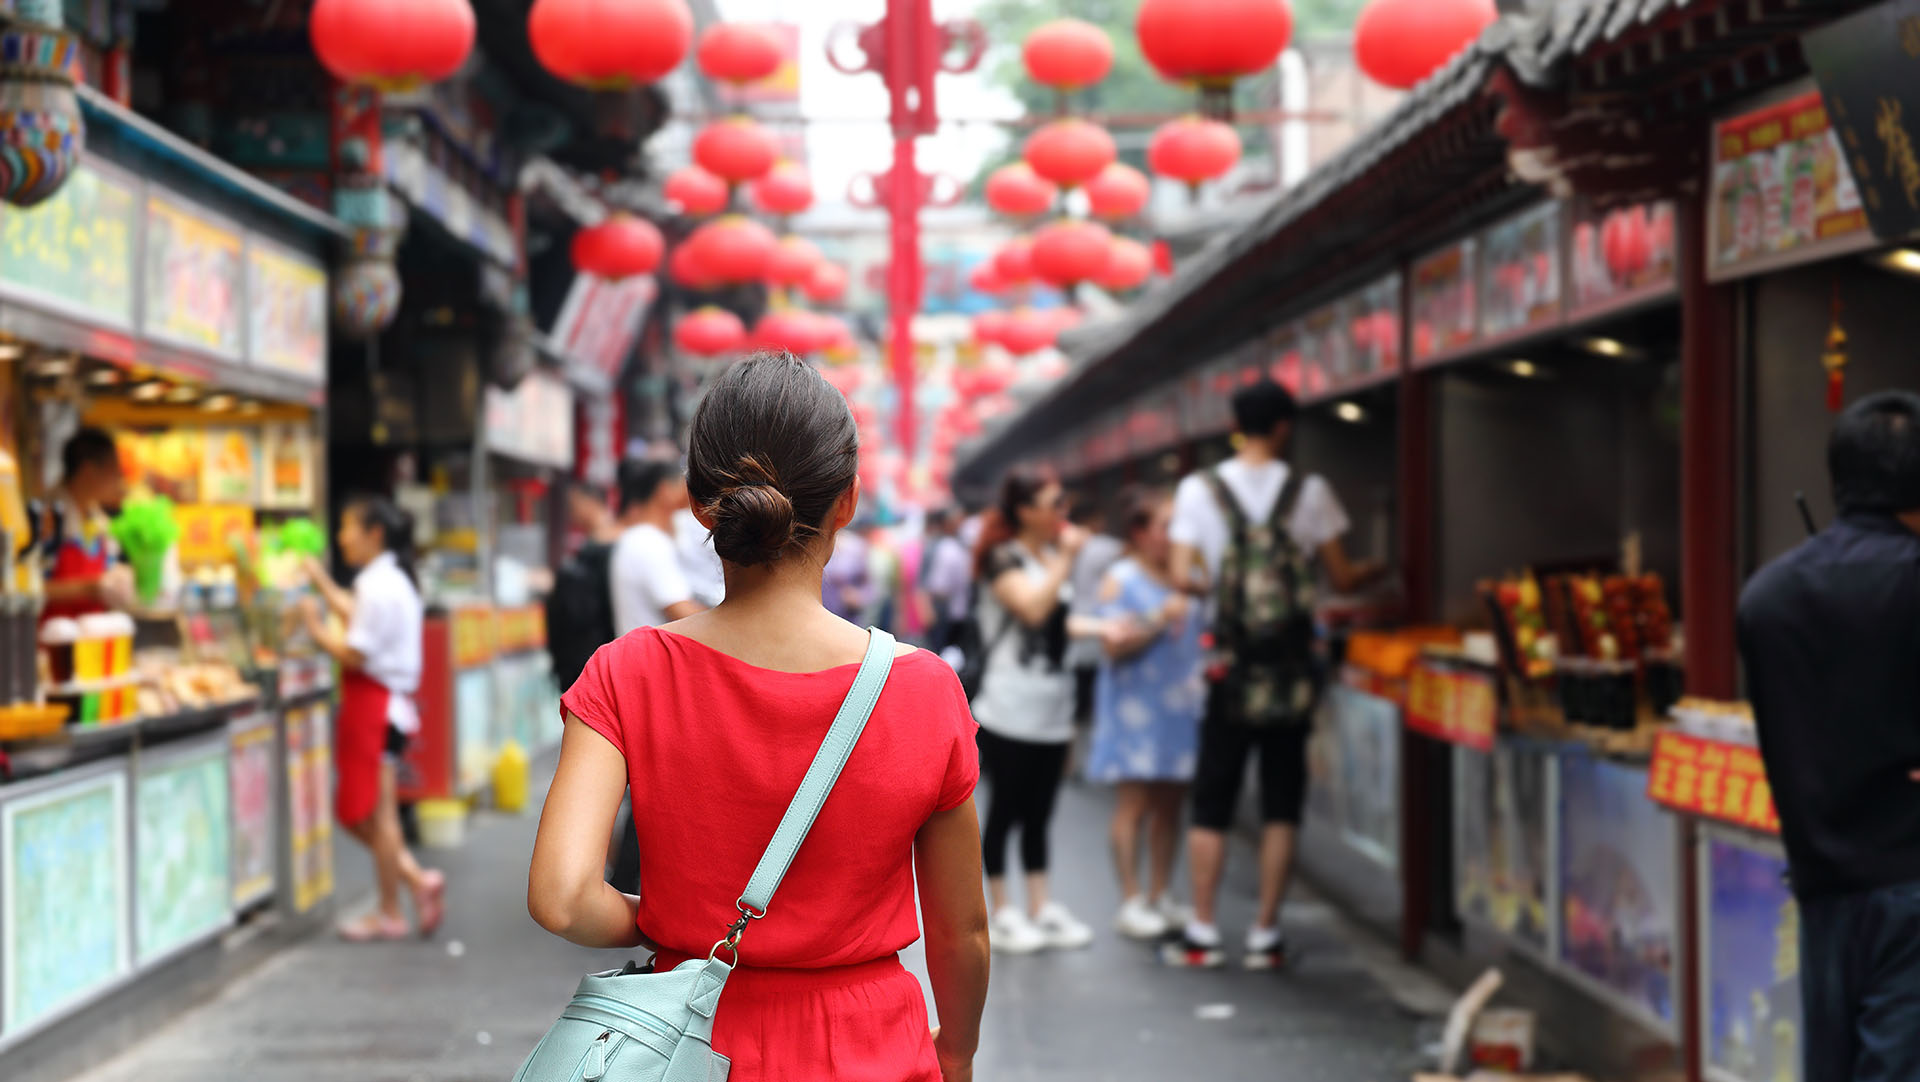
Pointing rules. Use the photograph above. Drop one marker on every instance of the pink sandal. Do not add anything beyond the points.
(430, 902)
(374, 928)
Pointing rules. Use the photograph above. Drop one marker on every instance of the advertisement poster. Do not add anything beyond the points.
(74, 252)
(1782, 190)
(1752, 968)
(1373, 330)
(1623, 255)
(230, 466)
(287, 465)
(163, 463)
(1444, 305)
(64, 898)
(1502, 818)
(193, 280)
(1617, 886)
(286, 313)
(309, 782)
(1323, 351)
(1367, 729)
(598, 323)
(1520, 273)
(183, 851)
(473, 698)
(251, 778)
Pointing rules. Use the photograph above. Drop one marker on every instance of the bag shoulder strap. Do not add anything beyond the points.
(848, 724)
(1283, 504)
(1230, 508)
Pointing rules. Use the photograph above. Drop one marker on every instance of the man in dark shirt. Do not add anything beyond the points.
(1830, 634)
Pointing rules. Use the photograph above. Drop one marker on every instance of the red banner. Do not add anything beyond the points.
(1459, 706)
(1724, 782)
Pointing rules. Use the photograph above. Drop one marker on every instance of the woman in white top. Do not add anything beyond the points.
(379, 658)
(1024, 703)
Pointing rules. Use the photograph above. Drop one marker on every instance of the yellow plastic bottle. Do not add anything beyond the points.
(510, 777)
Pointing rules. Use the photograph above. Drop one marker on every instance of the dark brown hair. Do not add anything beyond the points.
(773, 446)
(1021, 486)
(1138, 506)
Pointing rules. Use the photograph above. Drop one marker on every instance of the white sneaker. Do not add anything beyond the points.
(1061, 930)
(1140, 920)
(1013, 933)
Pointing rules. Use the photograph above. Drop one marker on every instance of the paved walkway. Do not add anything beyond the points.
(468, 1006)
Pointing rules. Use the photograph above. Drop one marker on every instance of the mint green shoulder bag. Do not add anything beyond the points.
(635, 1025)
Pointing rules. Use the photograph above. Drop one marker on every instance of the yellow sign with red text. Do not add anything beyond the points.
(1459, 706)
(1723, 782)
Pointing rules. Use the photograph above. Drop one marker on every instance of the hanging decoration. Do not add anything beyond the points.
(733, 249)
(620, 247)
(391, 45)
(1398, 43)
(738, 52)
(1027, 331)
(366, 291)
(1070, 151)
(41, 126)
(1119, 192)
(687, 271)
(1067, 54)
(1018, 192)
(610, 44)
(792, 262)
(1834, 358)
(985, 278)
(1129, 265)
(1194, 150)
(697, 191)
(1212, 43)
(784, 191)
(1070, 251)
(827, 284)
(710, 332)
(795, 330)
(1014, 261)
(736, 150)
(989, 326)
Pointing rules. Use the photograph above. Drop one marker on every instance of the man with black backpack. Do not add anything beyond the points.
(580, 608)
(1247, 536)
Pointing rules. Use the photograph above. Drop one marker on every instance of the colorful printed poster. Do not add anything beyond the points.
(193, 281)
(64, 896)
(1445, 308)
(253, 788)
(74, 252)
(165, 463)
(1367, 728)
(230, 466)
(1752, 965)
(1373, 330)
(1326, 360)
(473, 706)
(1502, 816)
(1617, 887)
(286, 312)
(1520, 273)
(183, 851)
(1782, 193)
(287, 453)
(309, 779)
(1623, 255)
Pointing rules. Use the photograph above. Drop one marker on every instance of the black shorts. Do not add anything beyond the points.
(1225, 747)
(397, 742)
(1084, 682)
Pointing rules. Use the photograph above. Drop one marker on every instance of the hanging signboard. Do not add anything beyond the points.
(1372, 332)
(1520, 273)
(286, 312)
(533, 422)
(1782, 191)
(600, 320)
(1724, 782)
(1443, 306)
(74, 252)
(1621, 257)
(1751, 967)
(1867, 66)
(193, 281)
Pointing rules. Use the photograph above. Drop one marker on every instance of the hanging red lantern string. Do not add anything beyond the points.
(686, 270)
(736, 149)
(1019, 192)
(786, 190)
(1398, 43)
(1067, 54)
(1070, 151)
(988, 328)
(1027, 331)
(791, 329)
(697, 191)
(620, 247)
(391, 45)
(1129, 265)
(792, 262)
(827, 284)
(710, 332)
(1069, 251)
(1014, 261)
(1193, 150)
(1119, 192)
(733, 249)
(610, 44)
(985, 278)
(739, 52)
(1211, 43)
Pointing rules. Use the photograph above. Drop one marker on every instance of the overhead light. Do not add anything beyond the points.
(183, 394)
(48, 367)
(1606, 347)
(1350, 412)
(250, 407)
(1903, 260)
(1523, 369)
(150, 392)
(10, 351)
(104, 377)
(219, 403)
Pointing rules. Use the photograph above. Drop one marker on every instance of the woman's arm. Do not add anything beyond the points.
(1029, 597)
(946, 858)
(339, 599)
(567, 890)
(333, 645)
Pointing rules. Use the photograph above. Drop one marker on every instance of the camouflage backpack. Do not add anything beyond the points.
(1262, 664)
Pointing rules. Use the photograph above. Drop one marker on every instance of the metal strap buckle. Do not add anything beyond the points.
(731, 944)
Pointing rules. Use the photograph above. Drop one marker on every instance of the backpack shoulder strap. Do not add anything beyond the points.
(821, 776)
(1236, 515)
(1288, 499)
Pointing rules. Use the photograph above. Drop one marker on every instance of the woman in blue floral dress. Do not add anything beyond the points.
(1147, 708)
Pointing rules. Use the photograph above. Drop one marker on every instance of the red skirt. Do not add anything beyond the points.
(359, 745)
(858, 1023)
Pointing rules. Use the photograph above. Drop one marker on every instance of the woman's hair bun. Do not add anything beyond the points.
(753, 524)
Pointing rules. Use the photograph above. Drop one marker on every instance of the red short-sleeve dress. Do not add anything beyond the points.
(715, 750)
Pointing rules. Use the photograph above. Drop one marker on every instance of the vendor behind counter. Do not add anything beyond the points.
(83, 569)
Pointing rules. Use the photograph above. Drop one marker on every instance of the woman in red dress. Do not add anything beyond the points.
(713, 720)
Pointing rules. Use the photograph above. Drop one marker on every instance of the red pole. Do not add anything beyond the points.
(903, 283)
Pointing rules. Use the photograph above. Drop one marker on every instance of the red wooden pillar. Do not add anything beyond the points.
(1421, 783)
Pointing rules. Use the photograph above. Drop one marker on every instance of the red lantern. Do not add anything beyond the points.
(988, 326)
(1398, 43)
(1194, 150)
(733, 249)
(1017, 191)
(736, 150)
(685, 268)
(791, 329)
(710, 332)
(610, 44)
(1120, 191)
(827, 283)
(1129, 265)
(697, 191)
(785, 190)
(391, 44)
(1070, 251)
(1070, 151)
(1212, 42)
(1027, 331)
(792, 263)
(620, 247)
(1064, 319)
(1068, 54)
(1014, 261)
(984, 278)
(739, 52)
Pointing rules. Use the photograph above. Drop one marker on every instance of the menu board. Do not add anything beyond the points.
(64, 897)
(1520, 273)
(74, 252)
(230, 468)
(1373, 330)
(1621, 256)
(1618, 854)
(533, 422)
(209, 532)
(183, 851)
(286, 312)
(192, 283)
(252, 780)
(1443, 306)
(1502, 828)
(1752, 965)
(287, 454)
(1782, 191)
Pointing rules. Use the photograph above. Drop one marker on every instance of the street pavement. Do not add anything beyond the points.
(467, 1006)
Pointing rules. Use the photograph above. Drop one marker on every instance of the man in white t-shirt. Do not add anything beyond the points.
(649, 583)
(1257, 479)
